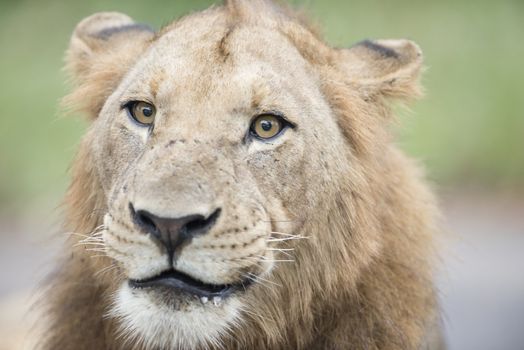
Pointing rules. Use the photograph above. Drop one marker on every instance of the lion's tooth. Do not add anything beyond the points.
(203, 300)
(217, 301)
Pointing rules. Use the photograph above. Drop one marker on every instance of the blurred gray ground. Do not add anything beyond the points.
(481, 280)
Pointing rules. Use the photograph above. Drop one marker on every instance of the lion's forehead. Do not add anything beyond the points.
(219, 42)
(216, 61)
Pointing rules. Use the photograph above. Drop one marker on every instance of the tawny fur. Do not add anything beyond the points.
(363, 279)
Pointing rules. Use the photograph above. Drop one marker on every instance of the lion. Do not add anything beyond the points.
(239, 187)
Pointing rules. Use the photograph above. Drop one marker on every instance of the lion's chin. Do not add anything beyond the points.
(160, 319)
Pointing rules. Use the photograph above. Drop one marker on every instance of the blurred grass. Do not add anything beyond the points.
(468, 130)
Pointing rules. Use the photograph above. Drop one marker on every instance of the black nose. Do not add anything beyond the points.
(173, 232)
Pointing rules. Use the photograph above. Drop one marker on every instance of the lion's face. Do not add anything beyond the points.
(202, 205)
(230, 180)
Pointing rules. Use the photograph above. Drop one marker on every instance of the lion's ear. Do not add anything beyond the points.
(102, 48)
(101, 36)
(387, 67)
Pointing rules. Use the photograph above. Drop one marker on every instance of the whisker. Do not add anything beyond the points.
(105, 270)
(283, 234)
(263, 258)
(283, 251)
(91, 240)
(89, 243)
(287, 238)
(103, 250)
(258, 278)
(278, 260)
(77, 234)
(95, 234)
(257, 281)
(98, 233)
(98, 228)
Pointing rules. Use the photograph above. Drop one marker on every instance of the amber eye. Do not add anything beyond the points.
(266, 126)
(142, 112)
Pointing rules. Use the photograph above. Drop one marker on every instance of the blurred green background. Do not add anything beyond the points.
(469, 130)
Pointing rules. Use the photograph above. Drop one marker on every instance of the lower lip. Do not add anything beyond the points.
(178, 285)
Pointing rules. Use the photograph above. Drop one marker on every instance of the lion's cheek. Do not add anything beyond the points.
(114, 149)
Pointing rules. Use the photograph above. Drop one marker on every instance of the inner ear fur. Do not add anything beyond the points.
(383, 67)
(102, 49)
(360, 80)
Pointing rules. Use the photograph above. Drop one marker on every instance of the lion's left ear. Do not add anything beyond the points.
(102, 49)
(103, 36)
(387, 67)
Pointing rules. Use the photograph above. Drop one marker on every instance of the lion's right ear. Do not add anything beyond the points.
(102, 48)
(387, 67)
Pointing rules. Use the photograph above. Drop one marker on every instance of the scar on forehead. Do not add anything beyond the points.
(156, 80)
(223, 50)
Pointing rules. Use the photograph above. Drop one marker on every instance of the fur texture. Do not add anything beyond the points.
(331, 221)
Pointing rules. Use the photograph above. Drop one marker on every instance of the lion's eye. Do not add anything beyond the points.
(266, 126)
(142, 112)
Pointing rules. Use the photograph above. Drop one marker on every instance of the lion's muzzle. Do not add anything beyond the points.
(173, 233)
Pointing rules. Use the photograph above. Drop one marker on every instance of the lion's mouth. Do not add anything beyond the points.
(177, 280)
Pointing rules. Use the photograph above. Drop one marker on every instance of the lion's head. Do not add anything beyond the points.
(241, 172)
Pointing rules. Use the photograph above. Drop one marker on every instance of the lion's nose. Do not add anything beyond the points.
(173, 232)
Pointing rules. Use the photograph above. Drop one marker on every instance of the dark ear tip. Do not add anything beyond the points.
(100, 21)
(106, 33)
(402, 49)
(379, 49)
(407, 49)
